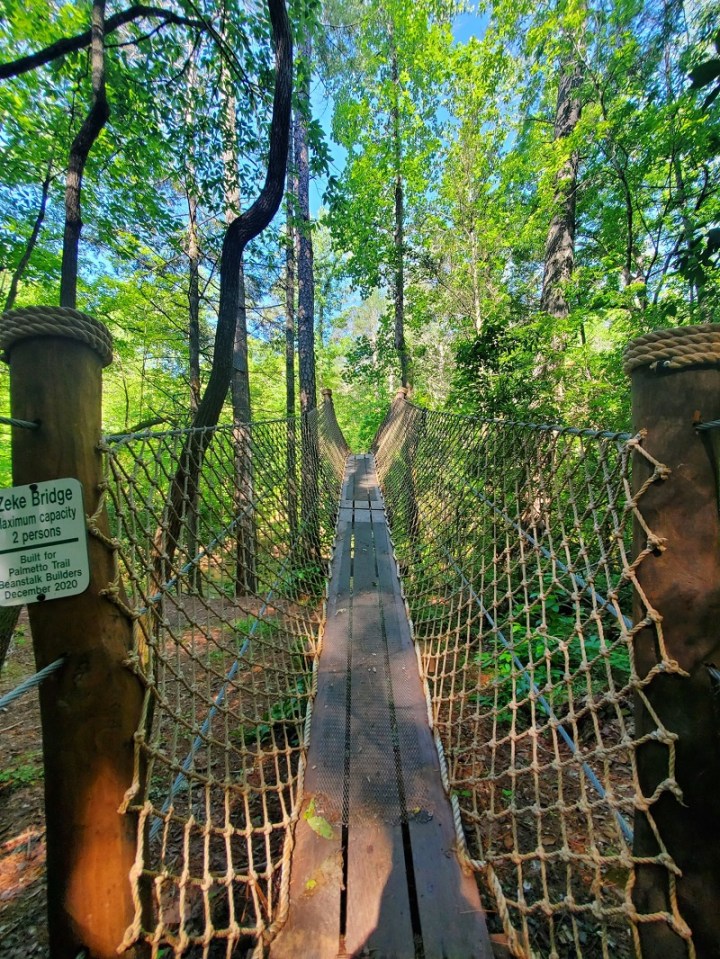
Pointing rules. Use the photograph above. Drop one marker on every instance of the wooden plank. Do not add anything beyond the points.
(378, 910)
(315, 887)
(367, 628)
(378, 907)
(348, 486)
(316, 876)
(364, 478)
(451, 916)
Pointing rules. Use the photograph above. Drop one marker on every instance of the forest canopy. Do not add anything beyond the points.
(483, 203)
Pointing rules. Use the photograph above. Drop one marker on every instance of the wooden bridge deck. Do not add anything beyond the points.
(374, 872)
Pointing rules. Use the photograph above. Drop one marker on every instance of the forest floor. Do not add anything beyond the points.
(23, 922)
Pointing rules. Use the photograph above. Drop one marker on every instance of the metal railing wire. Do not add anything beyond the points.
(514, 545)
(227, 600)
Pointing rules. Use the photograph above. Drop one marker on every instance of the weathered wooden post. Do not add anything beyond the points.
(675, 387)
(91, 708)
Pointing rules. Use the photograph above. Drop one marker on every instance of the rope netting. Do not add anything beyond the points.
(514, 545)
(223, 538)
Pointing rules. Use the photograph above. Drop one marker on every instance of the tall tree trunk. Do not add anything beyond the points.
(194, 368)
(560, 246)
(305, 275)
(193, 250)
(193, 301)
(245, 543)
(306, 312)
(238, 234)
(477, 313)
(292, 501)
(79, 152)
(192, 520)
(399, 231)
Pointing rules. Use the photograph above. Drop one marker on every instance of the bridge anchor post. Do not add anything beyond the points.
(91, 707)
(675, 388)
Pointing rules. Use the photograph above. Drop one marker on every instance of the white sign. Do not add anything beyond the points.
(43, 542)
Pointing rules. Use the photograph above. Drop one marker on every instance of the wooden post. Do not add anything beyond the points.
(91, 708)
(675, 386)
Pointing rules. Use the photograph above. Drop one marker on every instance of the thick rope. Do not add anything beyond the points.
(674, 348)
(34, 321)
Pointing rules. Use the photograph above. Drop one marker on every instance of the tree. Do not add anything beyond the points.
(386, 118)
(240, 231)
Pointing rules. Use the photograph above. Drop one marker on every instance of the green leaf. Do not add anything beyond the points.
(319, 825)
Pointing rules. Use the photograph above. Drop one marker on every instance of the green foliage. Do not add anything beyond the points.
(25, 770)
(288, 712)
(478, 161)
(552, 655)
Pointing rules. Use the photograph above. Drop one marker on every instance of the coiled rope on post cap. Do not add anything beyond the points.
(29, 321)
(674, 348)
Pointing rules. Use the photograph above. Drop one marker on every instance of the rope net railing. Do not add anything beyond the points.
(222, 538)
(514, 546)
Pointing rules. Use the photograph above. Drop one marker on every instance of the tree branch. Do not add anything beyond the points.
(61, 48)
(30, 245)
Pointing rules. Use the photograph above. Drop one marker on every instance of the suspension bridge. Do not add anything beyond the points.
(390, 704)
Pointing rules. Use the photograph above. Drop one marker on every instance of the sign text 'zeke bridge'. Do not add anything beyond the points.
(43, 542)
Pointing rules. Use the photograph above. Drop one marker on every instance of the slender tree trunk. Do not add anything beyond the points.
(477, 315)
(79, 152)
(194, 369)
(193, 249)
(305, 275)
(30, 245)
(238, 234)
(292, 501)
(306, 314)
(245, 564)
(245, 544)
(560, 247)
(192, 520)
(399, 232)
(193, 302)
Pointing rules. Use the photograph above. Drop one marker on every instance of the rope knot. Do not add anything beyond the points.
(656, 544)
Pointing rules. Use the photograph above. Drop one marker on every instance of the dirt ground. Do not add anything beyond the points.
(23, 923)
